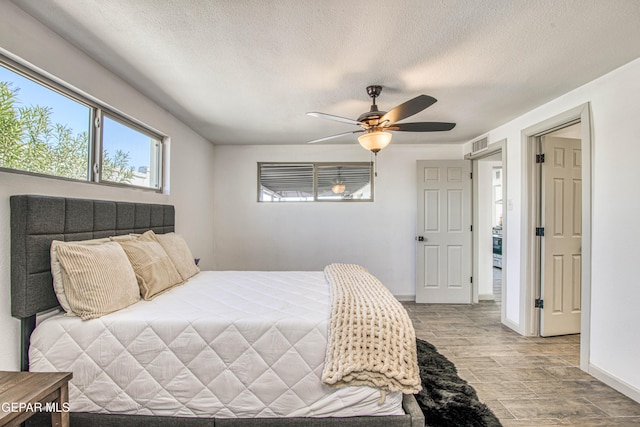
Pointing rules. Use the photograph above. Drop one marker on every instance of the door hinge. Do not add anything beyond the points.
(471, 279)
(539, 158)
(470, 175)
(539, 303)
(471, 228)
(540, 231)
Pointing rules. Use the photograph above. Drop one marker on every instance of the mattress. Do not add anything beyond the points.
(226, 344)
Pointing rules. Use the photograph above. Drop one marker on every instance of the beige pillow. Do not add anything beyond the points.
(56, 269)
(97, 279)
(176, 247)
(130, 236)
(153, 268)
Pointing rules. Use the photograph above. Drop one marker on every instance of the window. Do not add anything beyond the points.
(47, 129)
(129, 155)
(497, 197)
(309, 182)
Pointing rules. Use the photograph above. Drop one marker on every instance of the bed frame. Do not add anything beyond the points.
(37, 220)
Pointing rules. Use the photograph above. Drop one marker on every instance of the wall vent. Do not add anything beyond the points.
(479, 145)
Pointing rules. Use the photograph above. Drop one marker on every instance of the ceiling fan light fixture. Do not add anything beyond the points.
(375, 122)
(374, 141)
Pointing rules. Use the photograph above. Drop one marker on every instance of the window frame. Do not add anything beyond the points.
(315, 166)
(97, 112)
(158, 157)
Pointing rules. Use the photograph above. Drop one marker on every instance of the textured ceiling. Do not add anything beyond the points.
(245, 72)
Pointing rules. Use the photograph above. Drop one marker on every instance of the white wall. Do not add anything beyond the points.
(615, 288)
(190, 156)
(307, 236)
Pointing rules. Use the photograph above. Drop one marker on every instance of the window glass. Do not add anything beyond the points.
(48, 129)
(129, 155)
(344, 182)
(308, 182)
(285, 182)
(41, 130)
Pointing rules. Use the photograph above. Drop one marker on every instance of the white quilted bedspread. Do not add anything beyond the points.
(226, 344)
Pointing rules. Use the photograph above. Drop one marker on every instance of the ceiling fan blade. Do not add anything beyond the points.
(335, 118)
(408, 109)
(334, 136)
(422, 127)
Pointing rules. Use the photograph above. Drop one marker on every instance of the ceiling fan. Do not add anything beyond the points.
(374, 123)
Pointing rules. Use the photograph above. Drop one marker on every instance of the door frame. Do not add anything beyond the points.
(492, 149)
(530, 207)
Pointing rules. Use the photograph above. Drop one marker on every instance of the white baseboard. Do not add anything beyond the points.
(615, 382)
(405, 298)
(512, 325)
(486, 297)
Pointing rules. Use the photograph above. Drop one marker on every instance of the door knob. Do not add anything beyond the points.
(420, 238)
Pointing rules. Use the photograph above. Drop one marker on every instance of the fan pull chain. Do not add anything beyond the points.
(374, 160)
(375, 164)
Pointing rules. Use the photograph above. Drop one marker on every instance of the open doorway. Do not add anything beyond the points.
(489, 221)
(531, 274)
(489, 227)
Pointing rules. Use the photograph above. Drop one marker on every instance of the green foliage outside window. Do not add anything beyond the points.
(30, 141)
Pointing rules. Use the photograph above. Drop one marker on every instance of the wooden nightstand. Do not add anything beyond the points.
(24, 393)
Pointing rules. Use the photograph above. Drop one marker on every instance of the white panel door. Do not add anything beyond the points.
(443, 264)
(562, 241)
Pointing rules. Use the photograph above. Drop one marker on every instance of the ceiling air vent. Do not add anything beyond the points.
(479, 145)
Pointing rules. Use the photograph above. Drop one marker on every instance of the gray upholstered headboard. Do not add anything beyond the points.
(37, 220)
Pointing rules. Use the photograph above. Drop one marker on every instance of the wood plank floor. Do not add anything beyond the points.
(526, 381)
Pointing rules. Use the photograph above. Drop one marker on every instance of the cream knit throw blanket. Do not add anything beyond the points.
(371, 339)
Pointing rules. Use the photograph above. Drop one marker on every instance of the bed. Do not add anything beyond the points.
(194, 390)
